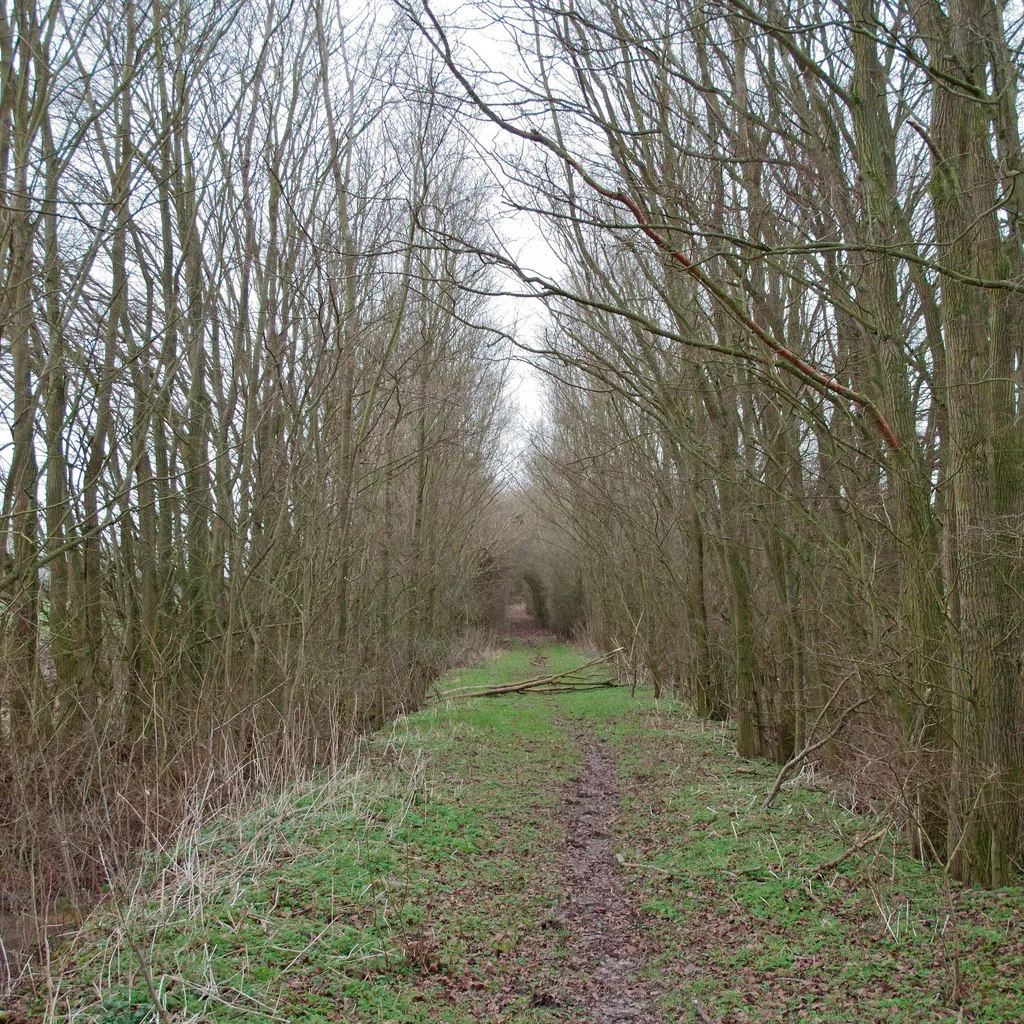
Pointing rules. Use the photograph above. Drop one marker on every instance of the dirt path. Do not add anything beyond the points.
(606, 942)
(520, 625)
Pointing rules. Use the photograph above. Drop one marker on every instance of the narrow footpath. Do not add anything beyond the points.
(600, 912)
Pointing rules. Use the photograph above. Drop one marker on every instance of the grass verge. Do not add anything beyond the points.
(418, 884)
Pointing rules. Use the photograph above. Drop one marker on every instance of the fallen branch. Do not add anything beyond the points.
(575, 688)
(536, 685)
(570, 679)
(810, 748)
(856, 848)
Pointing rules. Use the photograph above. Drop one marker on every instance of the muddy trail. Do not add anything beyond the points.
(605, 936)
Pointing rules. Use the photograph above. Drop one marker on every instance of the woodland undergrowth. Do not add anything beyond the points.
(424, 881)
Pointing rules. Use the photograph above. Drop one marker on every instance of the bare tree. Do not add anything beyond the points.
(242, 382)
(791, 297)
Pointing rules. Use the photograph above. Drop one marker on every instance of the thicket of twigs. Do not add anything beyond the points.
(252, 414)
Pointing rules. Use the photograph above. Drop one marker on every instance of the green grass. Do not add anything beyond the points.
(422, 884)
(742, 922)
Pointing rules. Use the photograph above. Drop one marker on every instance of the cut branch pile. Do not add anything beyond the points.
(573, 679)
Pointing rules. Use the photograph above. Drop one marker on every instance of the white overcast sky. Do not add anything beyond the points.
(486, 44)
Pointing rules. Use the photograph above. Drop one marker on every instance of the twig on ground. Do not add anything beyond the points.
(702, 1015)
(147, 973)
(856, 848)
(810, 748)
(623, 863)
